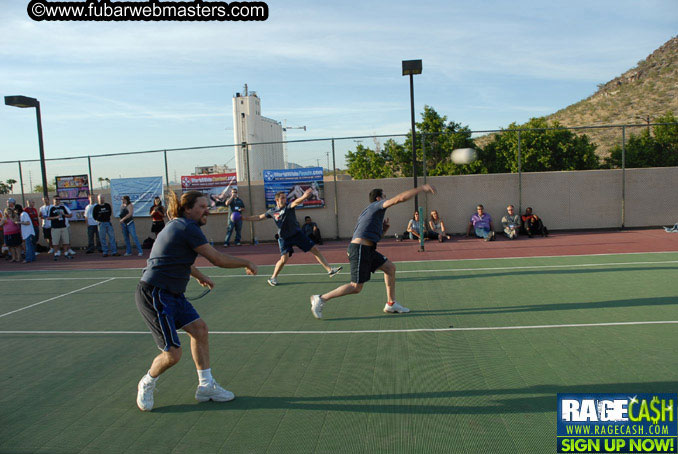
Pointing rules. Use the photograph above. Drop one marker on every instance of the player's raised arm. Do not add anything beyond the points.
(407, 195)
(254, 218)
(222, 260)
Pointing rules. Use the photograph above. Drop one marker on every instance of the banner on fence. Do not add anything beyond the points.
(217, 187)
(294, 182)
(141, 191)
(74, 193)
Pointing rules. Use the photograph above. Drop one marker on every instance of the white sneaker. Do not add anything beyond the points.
(140, 254)
(213, 391)
(51, 251)
(317, 304)
(70, 251)
(395, 308)
(334, 271)
(57, 254)
(145, 394)
(127, 254)
(272, 282)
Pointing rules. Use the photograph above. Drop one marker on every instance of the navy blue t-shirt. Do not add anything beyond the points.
(370, 222)
(169, 265)
(286, 220)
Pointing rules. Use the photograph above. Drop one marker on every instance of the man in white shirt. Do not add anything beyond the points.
(27, 233)
(92, 226)
(43, 214)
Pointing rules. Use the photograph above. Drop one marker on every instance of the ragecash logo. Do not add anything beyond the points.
(616, 423)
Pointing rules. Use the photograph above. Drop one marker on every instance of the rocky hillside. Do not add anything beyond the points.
(648, 90)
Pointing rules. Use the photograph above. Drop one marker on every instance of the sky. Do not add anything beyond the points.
(334, 67)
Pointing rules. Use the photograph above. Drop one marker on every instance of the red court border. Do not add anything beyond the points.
(459, 248)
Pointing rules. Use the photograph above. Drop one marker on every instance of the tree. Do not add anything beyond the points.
(542, 149)
(101, 182)
(11, 182)
(365, 163)
(50, 188)
(4, 189)
(441, 137)
(645, 150)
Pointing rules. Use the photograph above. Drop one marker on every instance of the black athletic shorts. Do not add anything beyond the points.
(364, 260)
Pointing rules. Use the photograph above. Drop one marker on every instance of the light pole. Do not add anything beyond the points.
(410, 68)
(24, 102)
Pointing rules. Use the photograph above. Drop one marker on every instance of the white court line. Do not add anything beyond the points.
(374, 331)
(56, 297)
(440, 270)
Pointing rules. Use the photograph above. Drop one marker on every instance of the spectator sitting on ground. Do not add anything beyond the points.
(481, 223)
(511, 223)
(436, 227)
(532, 224)
(414, 228)
(311, 230)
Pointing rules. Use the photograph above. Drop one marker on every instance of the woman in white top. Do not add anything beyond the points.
(437, 227)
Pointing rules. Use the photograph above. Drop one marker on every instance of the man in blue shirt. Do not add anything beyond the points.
(290, 234)
(161, 301)
(363, 255)
(235, 205)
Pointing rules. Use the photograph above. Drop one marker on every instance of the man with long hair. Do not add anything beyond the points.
(161, 301)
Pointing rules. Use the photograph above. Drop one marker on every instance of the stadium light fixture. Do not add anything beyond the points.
(25, 102)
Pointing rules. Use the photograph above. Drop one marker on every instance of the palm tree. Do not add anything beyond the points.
(101, 182)
(11, 182)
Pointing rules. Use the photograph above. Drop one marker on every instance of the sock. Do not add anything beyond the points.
(390, 303)
(205, 376)
(148, 379)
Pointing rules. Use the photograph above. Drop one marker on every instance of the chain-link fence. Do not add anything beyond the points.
(529, 164)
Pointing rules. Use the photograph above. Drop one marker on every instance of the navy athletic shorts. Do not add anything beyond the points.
(299, 240)
(164, 313)
(364, 261)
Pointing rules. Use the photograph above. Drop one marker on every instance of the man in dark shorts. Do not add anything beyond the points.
(161, 301)
(363, 255)
(290, 234)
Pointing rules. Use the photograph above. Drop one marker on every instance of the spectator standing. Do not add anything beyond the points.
(511, 223)
(157, 213)
(92, 227)
(58, 214)
(311, 230)
(27, 233)
(35, 220)
(12, 233)
(46, 223)
(235, 205)
(532, 224)
(128, 228)
(102, 213)
(481, 223)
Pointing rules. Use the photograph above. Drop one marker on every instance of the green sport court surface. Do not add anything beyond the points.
(73, 348)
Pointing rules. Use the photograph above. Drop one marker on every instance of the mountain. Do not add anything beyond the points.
(648, 90)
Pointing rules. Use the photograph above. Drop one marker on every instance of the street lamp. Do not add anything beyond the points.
(410, 68)
(24, 102)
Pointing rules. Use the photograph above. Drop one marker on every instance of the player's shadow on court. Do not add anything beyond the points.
(612, 304)
(530, 399)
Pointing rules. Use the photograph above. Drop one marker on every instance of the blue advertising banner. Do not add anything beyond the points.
(141, 192)
(597, 423)
(294, 182)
